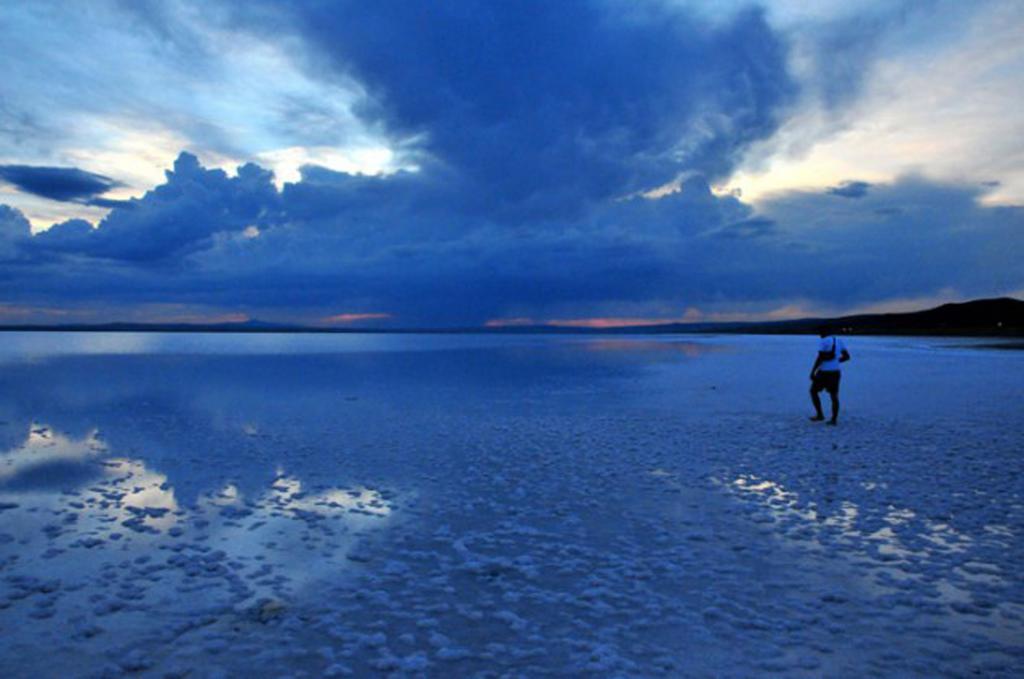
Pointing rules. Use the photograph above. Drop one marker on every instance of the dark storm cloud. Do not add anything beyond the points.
(534, 128)
(839, 51)
(68, 184)
(529, 123)
(537, 108)
(911, 237)
(343, 242)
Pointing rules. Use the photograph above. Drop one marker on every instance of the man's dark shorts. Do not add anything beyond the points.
(827, 380)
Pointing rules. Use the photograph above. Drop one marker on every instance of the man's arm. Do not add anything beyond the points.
(844, 355)
(817, 362)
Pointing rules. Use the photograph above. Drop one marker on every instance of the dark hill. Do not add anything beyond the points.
(1001, 317)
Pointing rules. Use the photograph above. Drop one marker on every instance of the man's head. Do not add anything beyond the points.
(824, 330)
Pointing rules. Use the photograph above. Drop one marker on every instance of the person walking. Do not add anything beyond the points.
(825, 372)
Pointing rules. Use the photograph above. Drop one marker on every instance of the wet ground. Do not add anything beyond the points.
(334, 505)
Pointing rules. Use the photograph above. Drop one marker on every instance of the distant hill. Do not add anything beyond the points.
(1000, 317)
(1003, 316)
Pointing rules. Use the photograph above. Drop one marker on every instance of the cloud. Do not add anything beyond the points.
(896, 88)
(908, 238)
(128, 85)
(755, 227)
(14, 230)
(108, 202)
(60, 183)
(538, 109)
(386, 243)
(850, 189)
(525, 140)
(176, 218)
(13, 224)
(73, 235)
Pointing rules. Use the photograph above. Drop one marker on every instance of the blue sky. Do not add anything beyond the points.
(469, 163)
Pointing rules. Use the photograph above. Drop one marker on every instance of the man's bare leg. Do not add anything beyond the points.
(817, 407)
(835, 407)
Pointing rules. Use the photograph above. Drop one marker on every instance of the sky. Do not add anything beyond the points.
(465, 163)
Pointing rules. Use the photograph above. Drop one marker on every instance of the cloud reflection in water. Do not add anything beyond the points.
(114, 529)
(817, 525)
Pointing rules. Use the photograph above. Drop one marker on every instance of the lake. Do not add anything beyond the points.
(324, 505)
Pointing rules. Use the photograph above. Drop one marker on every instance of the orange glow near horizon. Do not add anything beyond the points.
(691, 315)
(601, 323)
(353, 318)
(510, 322)
(596, 323)
(15, 311)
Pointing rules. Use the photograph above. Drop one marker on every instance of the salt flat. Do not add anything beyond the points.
(281, 505)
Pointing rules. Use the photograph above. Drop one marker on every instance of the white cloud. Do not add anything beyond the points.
(124, 102)
(948, 111)
(286, 162)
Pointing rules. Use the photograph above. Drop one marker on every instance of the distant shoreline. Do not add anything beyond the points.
(201, 330)
(1013, 345)
(996, 318)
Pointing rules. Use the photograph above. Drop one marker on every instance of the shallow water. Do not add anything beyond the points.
(472, 504)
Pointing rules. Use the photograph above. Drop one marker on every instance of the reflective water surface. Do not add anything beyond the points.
(406, 503)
